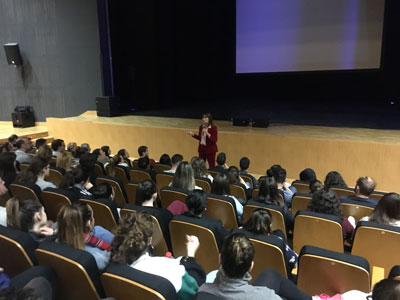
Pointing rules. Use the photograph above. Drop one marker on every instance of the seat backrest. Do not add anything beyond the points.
(163, 179)
(268, 256)
(248, 179)
(16, 251)
(23, 167)
(158, 240)
(343, 192)
(52, 203)
(23, 192)
(161, 168)
(323, 271)
(379, 244)
(102, 214)
(139, 175)
(55, 177)
(121, 175)
(204, 184)
(278, 220)
(254, 193)
(77, 272)
(213, 173)
(238, 191)
(300, 202)
(98, 169)
(118, 189)
(356, 210)
(122, 282)
(376, 195)
(303, 188)
(135, 163)
(318, 230)
(207, 255)
(131, 189)
(222, 208)
(169, 194)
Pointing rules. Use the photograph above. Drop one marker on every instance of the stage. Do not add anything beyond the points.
(353, 152)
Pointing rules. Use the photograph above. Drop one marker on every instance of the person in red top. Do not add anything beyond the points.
(208, 136)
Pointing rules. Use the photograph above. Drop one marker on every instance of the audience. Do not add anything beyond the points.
(132, 246)
(184, 177)
(35, 174)
(143, 151)
(39, 143)
(105, 155)
(279, 174)
(58, 146)
(45, 152)
(234, 178)
(5, 147)
(64, 161)
(13, 141)
(104, 193)
(8, 167)
(387, 211)
(334, 180)
(86, 146)
(72, 147)
(87, 162)
(165, 160)
(199, 168)
(77, 183)
(307, 175)
(315, 185)
(364, 187)
(244, 166)
(123, 158)
(23, 145)
(175, 161)
(221, 166)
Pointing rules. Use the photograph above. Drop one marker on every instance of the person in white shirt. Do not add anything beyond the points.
(175, 161)
(58, 146)
(23, 146)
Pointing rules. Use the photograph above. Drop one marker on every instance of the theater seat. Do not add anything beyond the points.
(125, 283)
(24, 192)
(159, 168)
(52, 203)
(300, 202)
(102, 214)
(277, 212)
(222, 208)
(139, 175)
(119, 189)
(163, 179)
(323, 271)
(204, 183)
(169, 194)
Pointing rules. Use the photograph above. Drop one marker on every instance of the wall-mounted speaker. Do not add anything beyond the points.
(240, 121)
(261, 122)
(13, 54)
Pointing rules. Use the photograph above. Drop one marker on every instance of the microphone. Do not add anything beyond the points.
(204, 125)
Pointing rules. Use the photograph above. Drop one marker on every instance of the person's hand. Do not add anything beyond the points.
(286, 185)
(46, 231)
(226, 166)
(242, 180)
(88, 185)
(1, 270)
(192, 244)
(190, 133)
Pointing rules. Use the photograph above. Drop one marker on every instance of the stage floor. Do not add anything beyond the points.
(353, 152)
(7, 129)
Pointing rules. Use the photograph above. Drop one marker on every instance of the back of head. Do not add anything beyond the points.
(334, 180)
(7, 160)
(233, 175)
(132, 237)
(268, 192)
(86, 146)
(45, 152)
(71, 147)
(315, 185)
(30, 175)
(366, 185)
(387, 210)
(102, 191)
(196, 202)
(80, 151)
(325, 202)
(21, 213)
(308, 175)
(64, 160)
(176, 159)
(5, 147)
(273, 170)
(20, 143)
(237, 255)
(13, 139)
(220, 185)
(87, 162)
(184, 177)
(143, 163)
(85, 212)
(259, 222)
(106, 150)
(244, 163)
(386, 289)
(142, 150)
(56, 144)
(96, 152)
(70, 227)
(280, 175)
(165, 159)
(145, 191)
(199, 167)
(39, 143)
(221, 158)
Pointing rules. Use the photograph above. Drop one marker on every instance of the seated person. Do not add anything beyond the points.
(64, 161)
(77, 182)
(232, 281)
(124, 160)
(23, 147)
(46, 153)
(221, 166)
(132, 246)
(307, 176)
(326, 202)
(58, 146)
(86, 146)
(8, 167)
(143, 151)
(315, 185)
(104, 193)
(35, 174)
(144, 164)
(71, 148)
(221, 186)
(279, 174)
(146, 195)
(39, 143)
(30, 216)
(334, 180)
(234, 178)
(196, 202)
(199, 169)
(105, 155)
(364, 187)
(387, 211)
(165, 160)
(184, 177)
(87, 162)
(269, 195)
(74, 225)
(175, 161)
(244, 166)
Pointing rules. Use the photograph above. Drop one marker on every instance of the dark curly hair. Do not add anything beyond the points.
(334, 180)
(132, 237)
(325, 202)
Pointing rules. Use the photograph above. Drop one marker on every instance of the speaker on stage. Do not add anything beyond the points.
(13, 55)
(261, 122)
(23, 117)
(108, 106)
(240, 121)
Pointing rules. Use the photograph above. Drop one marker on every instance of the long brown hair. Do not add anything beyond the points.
(387, 210)
(70, 227)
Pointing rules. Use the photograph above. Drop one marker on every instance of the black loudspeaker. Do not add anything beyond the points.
(13, 55)
(108, 106)
(261, 122)
(23, 117)
(240, 121)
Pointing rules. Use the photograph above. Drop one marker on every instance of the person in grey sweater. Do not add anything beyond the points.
(232, 281)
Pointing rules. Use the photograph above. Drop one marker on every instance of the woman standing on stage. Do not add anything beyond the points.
(208, 136)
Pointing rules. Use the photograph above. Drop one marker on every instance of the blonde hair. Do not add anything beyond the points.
(70, 227)
(45, 152)
(64, 160)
